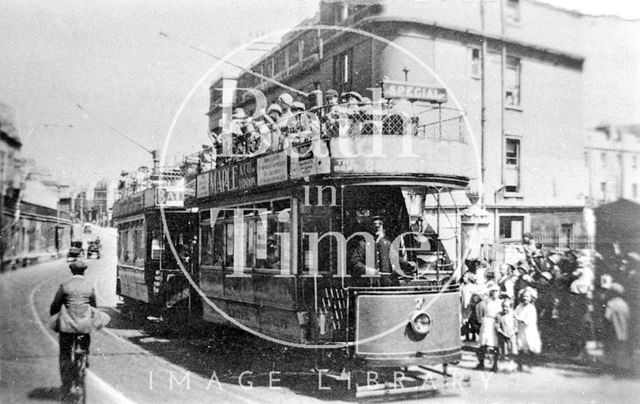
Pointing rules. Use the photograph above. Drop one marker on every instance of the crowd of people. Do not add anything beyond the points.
(552, 302)
(287, 122)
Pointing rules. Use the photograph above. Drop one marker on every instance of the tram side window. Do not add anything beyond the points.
(140, 244)
(259, 237)
(156, 244)
(129, 255)
(218, 245)
(269, 251)
(206, 244)
(250, 237)
(229, 240)
(122, 246)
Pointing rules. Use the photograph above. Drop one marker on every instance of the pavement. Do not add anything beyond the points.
(143, 362)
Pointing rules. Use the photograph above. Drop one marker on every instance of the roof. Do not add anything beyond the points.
(36, 193)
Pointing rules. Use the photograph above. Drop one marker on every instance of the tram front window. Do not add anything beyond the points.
(407, 233)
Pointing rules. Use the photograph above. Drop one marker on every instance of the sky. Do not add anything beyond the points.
(109, 57)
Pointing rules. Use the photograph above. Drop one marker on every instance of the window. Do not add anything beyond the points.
(130, 252)
(603, 159)
(263, 224)
(634, 191)
(634, 162)
(566, 232)
(511, 227)
(512, 165)
(586, 159)
(603, 191)
(342, 70)
(513, 152)
(512, 82)
(512, 11)
(475, 63)
(340, 13)
(141, 245)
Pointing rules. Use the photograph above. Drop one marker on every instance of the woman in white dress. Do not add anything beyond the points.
(529, 342)
(487, 312)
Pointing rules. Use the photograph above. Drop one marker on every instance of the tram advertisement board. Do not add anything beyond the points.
(241, 175)
(413, 92)
(202, 184)
(272, 168)
(309, 160)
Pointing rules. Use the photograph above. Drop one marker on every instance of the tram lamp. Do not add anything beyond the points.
(420, 322)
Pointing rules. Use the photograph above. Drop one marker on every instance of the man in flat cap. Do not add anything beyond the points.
(77, 296)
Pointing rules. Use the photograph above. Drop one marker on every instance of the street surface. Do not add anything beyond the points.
(144, 362)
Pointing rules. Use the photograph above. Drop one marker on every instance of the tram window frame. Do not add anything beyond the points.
(130, 255)
(223, 232)
(140, 244)
(205, 247)
(327, 254)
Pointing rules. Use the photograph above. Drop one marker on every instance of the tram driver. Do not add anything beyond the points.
(382, 250)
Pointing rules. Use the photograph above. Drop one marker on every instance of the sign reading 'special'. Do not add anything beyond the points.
(413, 92)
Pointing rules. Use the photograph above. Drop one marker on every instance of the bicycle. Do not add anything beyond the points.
(79, 359)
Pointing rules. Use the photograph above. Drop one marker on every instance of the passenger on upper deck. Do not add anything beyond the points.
(240, 132)
(274, 113)
(284, 101)
(353, 99)
(303, 127)
(260, 134)
(331, 113)
(331, 98)
(353, 112)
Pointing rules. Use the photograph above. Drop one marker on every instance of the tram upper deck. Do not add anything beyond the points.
(385, 141)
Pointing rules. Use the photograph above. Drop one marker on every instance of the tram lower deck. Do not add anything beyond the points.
(364, 275)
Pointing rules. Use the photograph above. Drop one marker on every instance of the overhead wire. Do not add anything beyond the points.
(244, 69)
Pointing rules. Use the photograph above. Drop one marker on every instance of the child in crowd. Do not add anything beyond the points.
(507, 327)
(473, 323)
(528, 336)
(487, 311)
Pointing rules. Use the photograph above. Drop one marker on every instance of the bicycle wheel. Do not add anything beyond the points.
(78, 387)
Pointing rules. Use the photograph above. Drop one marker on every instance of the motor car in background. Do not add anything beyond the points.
(75, 251)
(93, 250)
(86, 229)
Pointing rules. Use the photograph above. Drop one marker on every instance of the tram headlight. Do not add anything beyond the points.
(420, 322)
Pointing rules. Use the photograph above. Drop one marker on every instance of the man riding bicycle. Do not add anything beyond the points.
(77, 296)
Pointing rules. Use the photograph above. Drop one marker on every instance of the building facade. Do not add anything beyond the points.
(612, 158)
(33, 226)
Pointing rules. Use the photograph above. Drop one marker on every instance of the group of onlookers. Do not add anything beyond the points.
(553, 302)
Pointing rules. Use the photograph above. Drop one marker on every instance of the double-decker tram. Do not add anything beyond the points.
(340, 240)
(148, 277)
